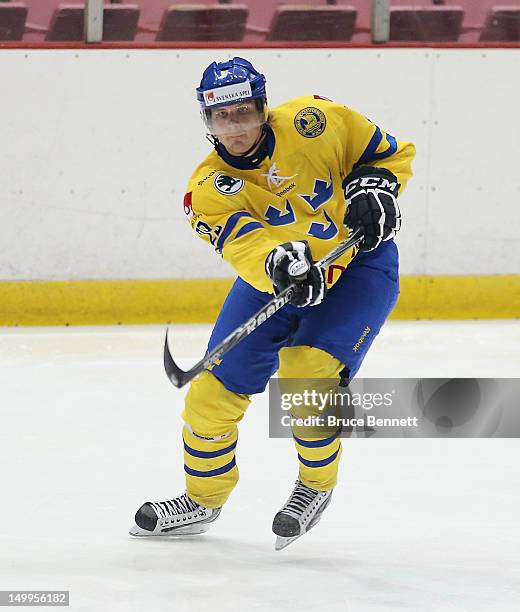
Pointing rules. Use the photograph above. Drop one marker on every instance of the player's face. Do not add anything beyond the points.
(237, 126)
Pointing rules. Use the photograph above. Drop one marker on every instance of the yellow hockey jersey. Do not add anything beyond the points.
(296, 192)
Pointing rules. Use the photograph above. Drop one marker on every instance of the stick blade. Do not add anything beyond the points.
(175, 375)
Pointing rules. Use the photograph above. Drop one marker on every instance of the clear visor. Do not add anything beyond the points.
(235, 118)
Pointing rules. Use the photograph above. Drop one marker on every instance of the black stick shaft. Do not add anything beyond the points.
(180, 377)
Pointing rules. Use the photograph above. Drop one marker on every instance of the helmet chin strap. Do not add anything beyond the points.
(255, 146)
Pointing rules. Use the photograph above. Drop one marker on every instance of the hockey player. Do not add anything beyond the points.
(280, 190)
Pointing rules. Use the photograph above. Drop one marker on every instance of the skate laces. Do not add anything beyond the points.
(300, 499)
(179, 505)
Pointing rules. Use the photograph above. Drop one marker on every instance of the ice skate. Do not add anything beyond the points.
(301, 512)
(178, 516)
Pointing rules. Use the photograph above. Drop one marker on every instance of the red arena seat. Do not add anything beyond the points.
(12, 20)
(436, 23)
(119, 23)
(502, 23)
(204, 23)
(304, 23)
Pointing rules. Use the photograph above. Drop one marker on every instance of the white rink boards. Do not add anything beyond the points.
(90, 429)
(124, 135)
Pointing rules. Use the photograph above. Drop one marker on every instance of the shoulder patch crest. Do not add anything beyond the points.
(310, 122)
(227, 185)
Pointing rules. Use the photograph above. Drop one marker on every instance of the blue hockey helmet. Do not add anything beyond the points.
(234, 82)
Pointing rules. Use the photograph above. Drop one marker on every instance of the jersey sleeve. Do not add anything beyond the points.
(367, 144)
(241, 239)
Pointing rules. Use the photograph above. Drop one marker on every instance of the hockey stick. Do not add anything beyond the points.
(180, 377)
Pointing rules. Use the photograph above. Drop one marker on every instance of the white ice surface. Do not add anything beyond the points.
(90, 428)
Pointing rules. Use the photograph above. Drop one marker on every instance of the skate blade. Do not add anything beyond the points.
(177, 531)
(282, 542)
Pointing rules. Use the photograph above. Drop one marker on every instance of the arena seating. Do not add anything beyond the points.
(219, 22)
(434, 23)
(12, 21)
(293, 23)
(119, 23)
(255, 21)
(502, 23)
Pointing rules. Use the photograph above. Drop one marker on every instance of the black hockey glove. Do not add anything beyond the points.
(292, 263)
(371, 196)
